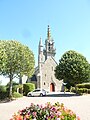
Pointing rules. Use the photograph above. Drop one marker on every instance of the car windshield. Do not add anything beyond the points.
(36, 90)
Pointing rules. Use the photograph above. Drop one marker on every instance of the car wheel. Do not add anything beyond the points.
(29, 95)
(41, 94)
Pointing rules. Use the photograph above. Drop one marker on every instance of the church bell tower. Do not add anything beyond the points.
(49, 46)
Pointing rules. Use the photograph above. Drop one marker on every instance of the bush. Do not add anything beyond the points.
(80, 91)
(85, 85)
(73, 89)
(28, 87)
(47, 112)
(3, 92)
(17, 95)
(3, 95)
(14, 87)
(83, 88)
(20, 87)
(88, 91)
(2, 88)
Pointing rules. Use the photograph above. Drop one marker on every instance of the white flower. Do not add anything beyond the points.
(58, 119)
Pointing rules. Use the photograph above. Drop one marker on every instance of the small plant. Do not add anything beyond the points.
(17, 95)
(47, 112)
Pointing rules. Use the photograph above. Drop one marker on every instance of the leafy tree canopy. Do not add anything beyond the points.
(15, 59)
(73, 68)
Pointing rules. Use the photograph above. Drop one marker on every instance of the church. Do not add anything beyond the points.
(44, 77)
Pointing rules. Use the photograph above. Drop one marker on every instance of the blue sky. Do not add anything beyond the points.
(27, 21)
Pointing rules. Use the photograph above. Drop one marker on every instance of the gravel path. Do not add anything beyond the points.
(79, 104)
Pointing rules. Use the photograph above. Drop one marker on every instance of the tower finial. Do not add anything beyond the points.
(48, 33)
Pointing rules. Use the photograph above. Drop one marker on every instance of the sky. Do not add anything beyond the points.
(27, 20)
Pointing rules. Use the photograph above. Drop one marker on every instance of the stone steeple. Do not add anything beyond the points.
(49, 45)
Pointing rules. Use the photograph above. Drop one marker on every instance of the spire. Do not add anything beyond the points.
(48, 33)
(40, 43)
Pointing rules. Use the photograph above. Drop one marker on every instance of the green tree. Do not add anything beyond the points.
(15, 60)
(26, 63)
(73, 68)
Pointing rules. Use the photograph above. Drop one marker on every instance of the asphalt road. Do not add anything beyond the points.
(79, 104)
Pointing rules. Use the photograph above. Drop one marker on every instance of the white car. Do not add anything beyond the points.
(37, 92)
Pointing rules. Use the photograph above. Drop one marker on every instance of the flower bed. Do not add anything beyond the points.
(47, 112)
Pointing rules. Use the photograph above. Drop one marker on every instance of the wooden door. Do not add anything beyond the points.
(52, 87)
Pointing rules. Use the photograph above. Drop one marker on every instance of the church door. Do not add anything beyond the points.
(52, 87)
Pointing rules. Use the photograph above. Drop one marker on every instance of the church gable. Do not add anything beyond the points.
(50, 62)
(47, 69)
(49, 82)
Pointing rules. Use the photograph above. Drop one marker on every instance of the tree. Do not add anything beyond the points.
(15, 60)
(73, 68)
(26, 64)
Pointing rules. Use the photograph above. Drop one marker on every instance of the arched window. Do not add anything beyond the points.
(44, 83)
(49, 46)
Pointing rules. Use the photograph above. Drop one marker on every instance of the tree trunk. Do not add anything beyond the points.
(10, 87)
(20, 80)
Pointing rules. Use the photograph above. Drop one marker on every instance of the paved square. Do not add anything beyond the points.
(79, 104)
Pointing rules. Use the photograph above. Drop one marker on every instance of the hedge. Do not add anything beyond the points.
(85, 85)
(28, 87)
(3, 92)
(80, 90)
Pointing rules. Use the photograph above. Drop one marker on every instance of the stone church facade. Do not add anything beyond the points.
(44, 77)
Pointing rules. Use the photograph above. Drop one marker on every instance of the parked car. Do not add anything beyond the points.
(37, 92)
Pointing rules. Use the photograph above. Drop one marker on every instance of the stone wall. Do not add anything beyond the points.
(48, 76)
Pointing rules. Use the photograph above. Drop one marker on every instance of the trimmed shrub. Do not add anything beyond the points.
(85, 85)
(73, 89)
(88, 91)
(80, 91)
(83, 88)
(28, 87)
(17, 95)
